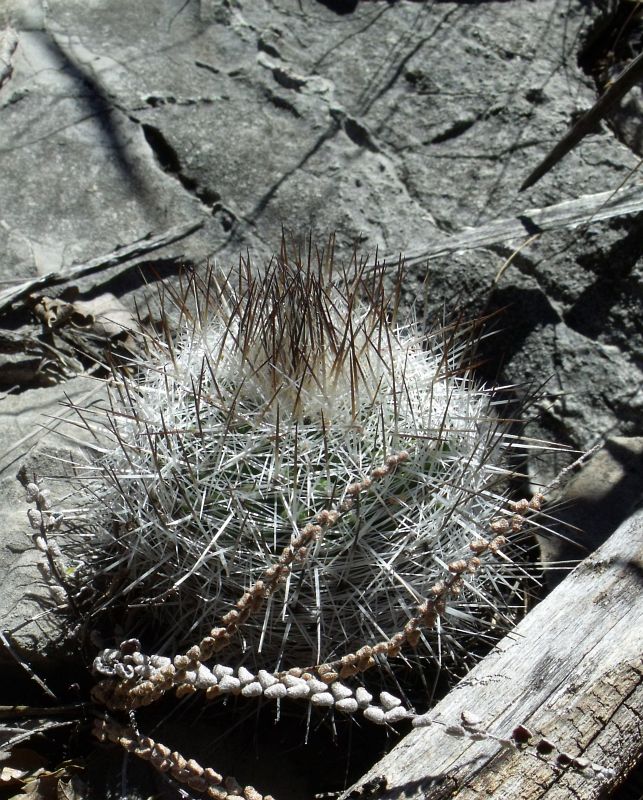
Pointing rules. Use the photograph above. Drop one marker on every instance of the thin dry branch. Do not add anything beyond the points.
(628, 78)
(119, 256)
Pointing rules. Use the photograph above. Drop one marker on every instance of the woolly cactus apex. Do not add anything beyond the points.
(299, 466)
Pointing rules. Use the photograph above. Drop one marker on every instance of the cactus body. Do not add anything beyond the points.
(284, 395)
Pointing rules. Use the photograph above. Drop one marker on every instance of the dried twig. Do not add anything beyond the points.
(25, 667)
(188, 772)
(628, 78)
(141, 246)
(560, 216)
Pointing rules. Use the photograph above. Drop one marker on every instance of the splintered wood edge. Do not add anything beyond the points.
(571, 672)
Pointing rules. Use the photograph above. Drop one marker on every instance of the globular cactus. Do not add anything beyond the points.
(292, 401)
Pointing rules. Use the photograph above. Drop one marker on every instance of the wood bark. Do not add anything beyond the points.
(533, 221)
(571, 671)
(120, 256)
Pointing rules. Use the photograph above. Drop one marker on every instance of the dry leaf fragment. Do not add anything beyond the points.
(72, 789)
(107, 316)
(52, 312)
(20, 764)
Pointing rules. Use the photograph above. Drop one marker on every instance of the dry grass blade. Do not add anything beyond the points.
(628, 78)
(560, 216)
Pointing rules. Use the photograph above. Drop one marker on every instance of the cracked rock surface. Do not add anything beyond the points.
(397, 125)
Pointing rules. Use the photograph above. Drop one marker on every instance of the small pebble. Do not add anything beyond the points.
(363, 697)
(374, 714)
(220, 671)
(266, 679)
(341, 692)
(347, 706)
(298, 692)
(245, 676)
(291, 680)
(204, 678)
(275, 692)
(316, 686)
(252, 690)
(389, 701)
(323, 699)
(229, 683)
(396, 715)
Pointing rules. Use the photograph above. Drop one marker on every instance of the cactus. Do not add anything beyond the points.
(291, 400)
(308, 490)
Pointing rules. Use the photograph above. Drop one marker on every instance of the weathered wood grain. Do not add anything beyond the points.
(572, 672)
(119, 256)
(568, 214)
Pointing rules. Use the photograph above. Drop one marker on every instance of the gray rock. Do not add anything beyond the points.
(606, 491)
(394, 124)
(37, 434)
(29, 615)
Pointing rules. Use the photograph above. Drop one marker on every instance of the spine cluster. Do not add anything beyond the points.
(134, 679)
(293, 442)
(326, 484)
(131, 678)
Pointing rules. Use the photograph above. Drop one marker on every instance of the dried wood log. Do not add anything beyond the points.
(119, 256)
(568, 214)
(571, 672)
